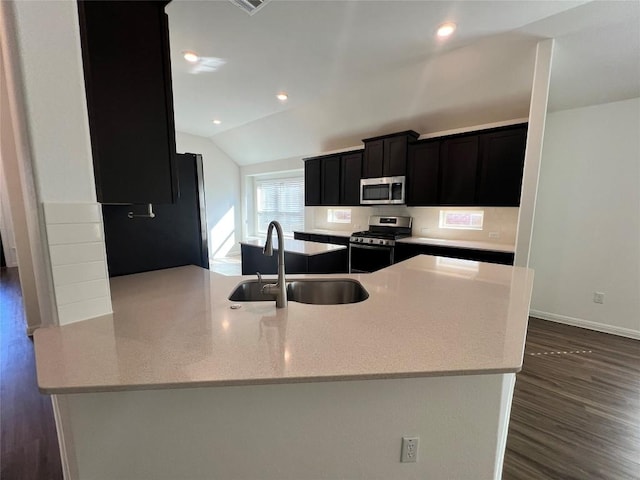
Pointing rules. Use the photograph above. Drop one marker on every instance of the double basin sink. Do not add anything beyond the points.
(332, 291)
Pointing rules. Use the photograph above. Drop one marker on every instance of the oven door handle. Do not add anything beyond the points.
(371, 247)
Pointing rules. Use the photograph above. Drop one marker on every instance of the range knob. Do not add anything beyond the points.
(381, 242)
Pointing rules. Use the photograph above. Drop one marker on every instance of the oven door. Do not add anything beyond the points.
(369, 258)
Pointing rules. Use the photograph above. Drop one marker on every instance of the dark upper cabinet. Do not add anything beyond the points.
(501, 167)
(350, 183)
(387, 156)
(372, 163)
(127, 70)
(423, 173)
(459, 169)
(482, 168)
(312, 182)
(333, 180)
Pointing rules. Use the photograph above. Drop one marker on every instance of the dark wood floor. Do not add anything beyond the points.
(576, 408)
(28, 441)
(576, 415)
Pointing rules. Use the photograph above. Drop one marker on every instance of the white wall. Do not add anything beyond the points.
(48, 69)
(51, 63)
(222, 193)
(586, 234)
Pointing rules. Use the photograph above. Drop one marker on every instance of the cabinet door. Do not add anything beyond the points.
(312, 182)
(330, 181)
(176, 236)
(372, 164)
(351, 173)
(395, 156)
(127, 70)
(459, 166)
(423, 173)
(501, 167)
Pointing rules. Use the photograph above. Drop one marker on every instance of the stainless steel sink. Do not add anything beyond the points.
(251, 291)
(326, 292)
(331, 291)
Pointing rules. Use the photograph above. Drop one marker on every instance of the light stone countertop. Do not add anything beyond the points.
(469, 244)
(427, 316)
(297, 246)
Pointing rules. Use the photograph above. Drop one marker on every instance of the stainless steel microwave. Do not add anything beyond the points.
(385, 190)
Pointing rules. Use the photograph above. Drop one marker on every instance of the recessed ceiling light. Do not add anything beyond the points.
(446, 29)
(191, 57)
(217, 122)
(282, 96)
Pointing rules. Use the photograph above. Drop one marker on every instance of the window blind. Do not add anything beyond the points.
(280, 199)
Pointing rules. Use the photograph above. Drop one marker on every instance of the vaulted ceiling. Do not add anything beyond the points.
(355, 69)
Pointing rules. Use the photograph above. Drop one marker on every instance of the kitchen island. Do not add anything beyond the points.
(310, 391)
(299, 257)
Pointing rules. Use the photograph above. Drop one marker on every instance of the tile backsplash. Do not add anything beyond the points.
(76, 246)
(500, 223)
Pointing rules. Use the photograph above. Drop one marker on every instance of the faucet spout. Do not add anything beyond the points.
(280, 288)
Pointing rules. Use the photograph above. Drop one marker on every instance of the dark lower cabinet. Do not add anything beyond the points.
(314, 237)
(176, 236)
(404, 251)
(253, 260)
(127, 72)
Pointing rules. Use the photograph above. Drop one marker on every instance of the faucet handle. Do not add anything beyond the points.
(259, 277)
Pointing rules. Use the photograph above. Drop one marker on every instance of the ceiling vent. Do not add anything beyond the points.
(249, 6)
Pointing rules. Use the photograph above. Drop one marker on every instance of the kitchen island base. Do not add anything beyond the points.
(328, 430)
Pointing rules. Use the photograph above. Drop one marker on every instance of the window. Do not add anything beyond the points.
(461, 219)
(281, 199)
(339, 215)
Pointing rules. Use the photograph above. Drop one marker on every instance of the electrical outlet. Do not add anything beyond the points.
(598, 297)
(494, 234)
(409, 449)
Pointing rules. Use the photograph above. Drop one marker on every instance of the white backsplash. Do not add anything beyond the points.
(500, 223)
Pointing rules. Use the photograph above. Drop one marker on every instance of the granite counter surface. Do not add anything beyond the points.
(174, 328)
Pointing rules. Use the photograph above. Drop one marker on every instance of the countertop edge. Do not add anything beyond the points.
(272, 381)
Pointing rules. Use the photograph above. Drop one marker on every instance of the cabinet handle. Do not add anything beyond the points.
(149, 213)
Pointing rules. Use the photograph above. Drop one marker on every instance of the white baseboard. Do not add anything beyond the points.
(579, 322)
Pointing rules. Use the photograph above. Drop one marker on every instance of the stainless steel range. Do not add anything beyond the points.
(373, 249)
